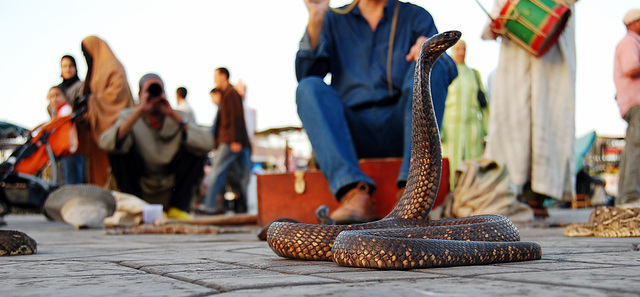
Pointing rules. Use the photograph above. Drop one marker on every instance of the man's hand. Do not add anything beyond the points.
(414, 52)
(493, 32)
(145, 105)
(164, 106)
(235, 147)
(317, 7)
(317, 11)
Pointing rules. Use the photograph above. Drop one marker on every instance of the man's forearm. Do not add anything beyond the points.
(317, 12)
(314, 29)
(128, 124)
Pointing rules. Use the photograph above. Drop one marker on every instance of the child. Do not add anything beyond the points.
(74, 165)
(59, 102)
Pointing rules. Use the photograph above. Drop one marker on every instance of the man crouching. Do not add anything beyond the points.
(157, 153)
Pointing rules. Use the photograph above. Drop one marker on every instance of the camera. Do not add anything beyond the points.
(155, 90)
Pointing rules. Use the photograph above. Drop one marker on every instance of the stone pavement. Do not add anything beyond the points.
(90, 263)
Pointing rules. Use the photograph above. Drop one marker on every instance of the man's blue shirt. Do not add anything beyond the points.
(356, 57)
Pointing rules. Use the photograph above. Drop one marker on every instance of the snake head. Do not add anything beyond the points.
(438, 44)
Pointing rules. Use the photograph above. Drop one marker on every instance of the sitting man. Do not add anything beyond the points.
(366, 110)
(155, 152)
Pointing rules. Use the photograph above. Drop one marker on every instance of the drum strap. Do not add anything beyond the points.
(392, 36)
(348, 9)
(394, 24)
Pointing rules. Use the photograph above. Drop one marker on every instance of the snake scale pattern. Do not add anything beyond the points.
(13, 243)
(406, 238)
(608, 221)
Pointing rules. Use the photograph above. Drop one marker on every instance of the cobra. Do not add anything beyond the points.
(406, 238)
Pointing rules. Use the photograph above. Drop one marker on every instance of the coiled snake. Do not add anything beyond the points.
(13, 243)
(405, 238)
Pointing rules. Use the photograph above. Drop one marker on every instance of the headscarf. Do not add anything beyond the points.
(108, 93)
(66, 83)
(107, 84)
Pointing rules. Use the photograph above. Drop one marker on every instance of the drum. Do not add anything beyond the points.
(533, 24)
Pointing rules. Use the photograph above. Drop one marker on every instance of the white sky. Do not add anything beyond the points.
(184, 41)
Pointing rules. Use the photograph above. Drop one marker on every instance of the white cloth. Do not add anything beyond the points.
(184, 106)
(64, 110)
(128, 212)
(250, 120)
(531, 125)
(483, 187)
(631, 16)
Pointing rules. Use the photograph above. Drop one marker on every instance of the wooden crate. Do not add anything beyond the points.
(278, 198)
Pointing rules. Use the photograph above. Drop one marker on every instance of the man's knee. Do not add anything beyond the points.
(308, 88)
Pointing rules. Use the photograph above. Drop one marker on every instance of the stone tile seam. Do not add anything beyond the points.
(610, 265)
(380, 281)
(329, 275)
(240, 264)
(262, 286)
(606, 290)
(561, 261)
(595, 252)
(208, 261)
(201, 282)
(170, 275)
(474, 275)
(538, 269)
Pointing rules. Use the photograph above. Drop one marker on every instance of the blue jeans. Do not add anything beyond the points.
(222, 160)
(74, 169)
(340, 135)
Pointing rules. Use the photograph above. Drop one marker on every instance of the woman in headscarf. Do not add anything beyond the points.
(465, 116)
(107, 91)
(72, 167)
(71, 83)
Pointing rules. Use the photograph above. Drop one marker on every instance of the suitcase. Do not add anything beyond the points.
(298, 195)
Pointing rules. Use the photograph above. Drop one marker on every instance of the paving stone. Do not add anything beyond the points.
(62, 269)
(89, 263)
(370, 275)
(604, 257)
(260, 261)
(430, 287)
(101, 285)
(310, 268)
(620, 278)
(166, 269)
(229, 280)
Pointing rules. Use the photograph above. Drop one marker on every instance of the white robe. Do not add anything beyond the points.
(531, 125)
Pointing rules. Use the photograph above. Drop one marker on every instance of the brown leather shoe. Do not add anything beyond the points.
(355, 206)
(537, 206)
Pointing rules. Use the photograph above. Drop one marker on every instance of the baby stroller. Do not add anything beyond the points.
(23, 182)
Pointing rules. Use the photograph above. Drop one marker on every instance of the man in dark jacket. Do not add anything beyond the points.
(231, 141)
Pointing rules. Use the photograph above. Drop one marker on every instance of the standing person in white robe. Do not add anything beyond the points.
(531, 125)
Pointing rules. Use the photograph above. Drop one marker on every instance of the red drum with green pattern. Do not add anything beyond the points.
(533, 24)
